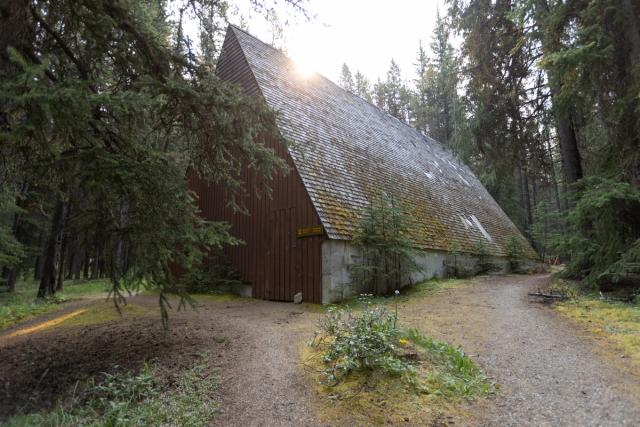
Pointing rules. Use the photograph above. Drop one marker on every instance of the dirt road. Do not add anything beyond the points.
(549, 374)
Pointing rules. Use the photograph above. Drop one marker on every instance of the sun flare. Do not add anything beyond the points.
(304, 67)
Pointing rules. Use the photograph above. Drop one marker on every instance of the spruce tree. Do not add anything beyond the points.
(363, 87)
(105, 110)
(346, 79)
(394, 101)
(383, 239)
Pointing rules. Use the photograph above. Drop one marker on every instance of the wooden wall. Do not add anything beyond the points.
(273, 260)
(276, 262)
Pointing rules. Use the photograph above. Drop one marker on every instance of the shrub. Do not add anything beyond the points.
(117, 398)
(603, 225)
(547, 227)
(625, 271)
(485, 265)
(386, 253)
(125, 398)
(354, 349)
(565, 289)
(211, 278)
(516, 248)
(517, 252)
(363, 340)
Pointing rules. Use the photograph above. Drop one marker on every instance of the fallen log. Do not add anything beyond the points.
(548, 296)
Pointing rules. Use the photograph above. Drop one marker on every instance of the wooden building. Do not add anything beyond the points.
(343, 151)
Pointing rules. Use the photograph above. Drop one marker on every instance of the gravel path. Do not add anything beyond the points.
(263, 383)
(548, 374)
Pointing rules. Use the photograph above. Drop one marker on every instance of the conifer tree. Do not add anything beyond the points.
(104, 107)
(346, 79)
(439, 110)
(363, 87)
(380, 94)
(386, 261)
(394, 100)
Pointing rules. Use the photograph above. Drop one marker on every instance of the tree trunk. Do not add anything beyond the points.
(37, 268)
(9, 276)
(71, 262)
(61, 263)
(569, 151)
(76, 267)
(631, 31)
(51, 252)
(86, 265)
(554, 179)
(571, 161)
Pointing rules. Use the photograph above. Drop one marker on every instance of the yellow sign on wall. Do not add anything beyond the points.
(316, 230)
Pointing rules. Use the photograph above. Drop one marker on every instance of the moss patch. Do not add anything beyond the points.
(424, 289)
(105, 311)
(23, 304)
(432, 287)
(151, 396)
(617, 322)
(445, 381)
(222, 296)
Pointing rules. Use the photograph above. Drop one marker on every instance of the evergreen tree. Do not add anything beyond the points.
(497, 71)
(590, 77)
(386, 261)
(104, 107)
(553, 121)
(393, 97)
(380, 95)
(275, 29)
(346, 79)
(439, 110)
(363, 87)
(423, 90)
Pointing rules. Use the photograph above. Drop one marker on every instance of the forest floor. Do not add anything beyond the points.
(550, 371)
(23, 304)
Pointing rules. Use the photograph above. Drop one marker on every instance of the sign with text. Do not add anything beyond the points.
(316, 230)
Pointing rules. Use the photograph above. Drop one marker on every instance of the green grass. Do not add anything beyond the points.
(23, 304)
(451, 373)
(379, 373)
(443, 377)
(423, 289)
(136, 399)
(616, 322)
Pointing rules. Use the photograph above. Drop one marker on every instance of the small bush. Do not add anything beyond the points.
(125, 398)
(363, 340)
(565, 289)
(602, 227)
(516, 248)
(383, 239)
(117, 398)
(370, 342)
(211, 278)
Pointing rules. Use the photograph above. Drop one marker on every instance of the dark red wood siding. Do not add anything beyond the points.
(273, 260)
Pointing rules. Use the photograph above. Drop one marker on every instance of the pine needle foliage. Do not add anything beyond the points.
(386, 261)
(106, 111)
(603, 226)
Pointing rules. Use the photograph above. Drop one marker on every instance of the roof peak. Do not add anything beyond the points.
(322, 76)
(346, 149)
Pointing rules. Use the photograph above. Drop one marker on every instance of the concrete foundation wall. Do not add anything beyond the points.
(339, 255)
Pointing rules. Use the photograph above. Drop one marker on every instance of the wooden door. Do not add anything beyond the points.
(281, 269)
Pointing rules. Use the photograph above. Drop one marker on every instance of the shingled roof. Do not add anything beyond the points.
(346, 150)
